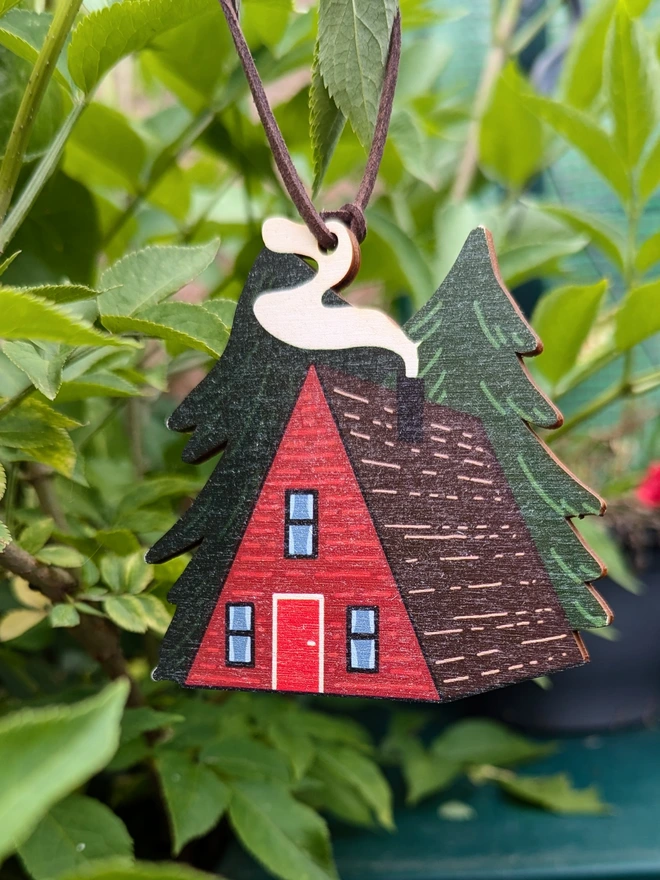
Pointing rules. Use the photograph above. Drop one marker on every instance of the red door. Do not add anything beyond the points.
(298, 642)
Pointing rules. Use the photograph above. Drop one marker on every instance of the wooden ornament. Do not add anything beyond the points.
(383, 521)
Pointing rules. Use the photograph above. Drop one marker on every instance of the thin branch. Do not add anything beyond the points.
(99, 638)
(495, 61)
(35, 90)
(41, 478)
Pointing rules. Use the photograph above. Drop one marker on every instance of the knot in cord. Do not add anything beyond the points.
(351, 216)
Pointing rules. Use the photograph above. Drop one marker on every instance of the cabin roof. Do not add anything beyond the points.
(472, 580)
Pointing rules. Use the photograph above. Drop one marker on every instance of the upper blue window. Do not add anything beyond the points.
(301, 523)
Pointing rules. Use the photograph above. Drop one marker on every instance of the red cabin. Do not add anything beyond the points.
(375, 566)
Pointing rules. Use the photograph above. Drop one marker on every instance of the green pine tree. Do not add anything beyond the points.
(472, 338)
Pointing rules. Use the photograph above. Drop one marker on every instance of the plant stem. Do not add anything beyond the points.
(96, 635)
(41, 478)
(31, 101)
(39, 178)
(495, 61)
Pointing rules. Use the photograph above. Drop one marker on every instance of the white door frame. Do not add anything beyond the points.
(318, 597)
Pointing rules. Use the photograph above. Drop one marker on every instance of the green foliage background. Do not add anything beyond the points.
(133, 181)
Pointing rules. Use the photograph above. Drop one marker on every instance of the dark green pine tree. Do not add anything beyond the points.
(240, 408)
(472, 338)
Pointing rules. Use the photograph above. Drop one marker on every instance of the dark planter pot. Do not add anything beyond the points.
(620, 686)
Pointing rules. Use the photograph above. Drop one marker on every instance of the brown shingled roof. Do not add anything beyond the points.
(476, 590)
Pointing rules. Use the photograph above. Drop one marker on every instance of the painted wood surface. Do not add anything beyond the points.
(439, 516)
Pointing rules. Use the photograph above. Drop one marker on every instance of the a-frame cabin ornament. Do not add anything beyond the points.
(383, 521)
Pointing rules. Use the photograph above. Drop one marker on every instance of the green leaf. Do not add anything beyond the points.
(245, 759)
(605, 237)
(63, 615)
(77, 831)
(326, 123)
(638, 316)
(102, 384)
(510, 135)
(630, 79)
(563, 319)
(590, 140)
(35, 535)
(5, 264)
(187, 324)
(104, 150)
(64, 557)
(265, 21)
(426, 773)
(144, 719)
(648, 253)
(155, 614)
(39, 433)
(295, 745)
(18, 621)
(582, 72)
(47, 753)
(194, 796)
(600, 541)
(412, 262)
(24, 316)
(649, 176)
(6, 5)
(145, 278)
(23, 32)
(41, 364)
(353, 45)
(288, 838)
(332, 728)
(119, 870)
(103, 38)
(151, 491)
(554, 793)
(126, 612)
(363, 776)
(481, 741)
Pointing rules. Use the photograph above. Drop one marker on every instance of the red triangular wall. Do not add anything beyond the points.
(350, 569)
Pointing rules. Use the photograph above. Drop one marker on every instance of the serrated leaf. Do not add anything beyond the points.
(5, 264)
(326, 123)
(511, 135)
(6, 5)
(18, 621)
(353, 45)
(590, 140)
(187, 324)
(582, 72)
(64, 557)
(106, 36)
(288, 838)
(126, 612)
(102, 384)
(24, 316)
(194, 796)
(481, 741)
(295, 745)
(35, 432)
(63, 615)
(60, 293)
(35, 535)
(45, 754)
(41, 364)
(605, 237)
(555, 793)
(145, 278)
(563, 318)
(245, 759)
(75, 832)
(630, 74)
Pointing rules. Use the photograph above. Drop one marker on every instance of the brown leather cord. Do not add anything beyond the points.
(352, 214)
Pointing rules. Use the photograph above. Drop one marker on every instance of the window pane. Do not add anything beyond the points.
(301, 505)
(240, 649)
(363, 620)
(363, 653)
(301, 540)
(240, 617)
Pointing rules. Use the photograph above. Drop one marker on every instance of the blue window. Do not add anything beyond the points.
(239, 644)
(301, 524)
(362, 638)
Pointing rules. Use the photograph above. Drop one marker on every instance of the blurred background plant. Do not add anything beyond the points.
(133, 183)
